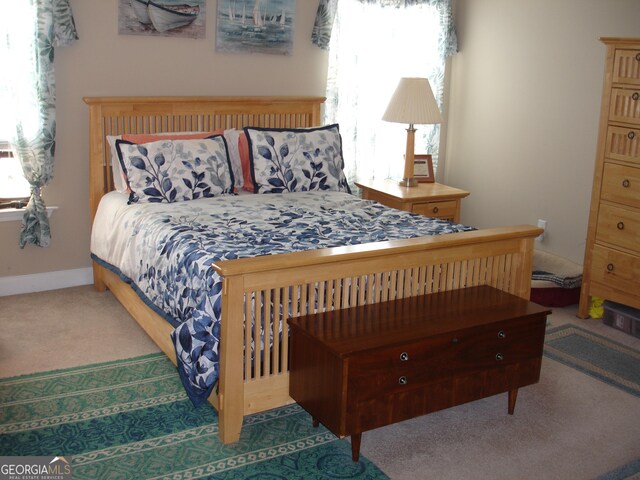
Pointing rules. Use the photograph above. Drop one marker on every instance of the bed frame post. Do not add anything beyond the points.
(97, 187)
(231, 380)
(523, 280)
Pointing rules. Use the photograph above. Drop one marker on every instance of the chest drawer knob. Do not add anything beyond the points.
(620, 225)
(403, 380)
(610, 267)
(631, 135)
(501, 334)
(404, 356)
(499, 356)
(635, 96)
(626, 183)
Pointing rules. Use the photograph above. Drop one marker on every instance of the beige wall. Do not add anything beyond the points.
(524, 108)
(105, 63)
(524, 104)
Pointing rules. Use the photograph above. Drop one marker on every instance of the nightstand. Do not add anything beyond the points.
(429, 199)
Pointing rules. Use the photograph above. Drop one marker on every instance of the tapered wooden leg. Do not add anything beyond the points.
(513, 395)
(98, 281)
(355, 446)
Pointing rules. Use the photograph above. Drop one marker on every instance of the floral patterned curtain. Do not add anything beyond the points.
(31, 30)
(371, 44)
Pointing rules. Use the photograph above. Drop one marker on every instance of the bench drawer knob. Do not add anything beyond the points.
(499, 356)
(403, 380)
(501, 334)
(404, 356)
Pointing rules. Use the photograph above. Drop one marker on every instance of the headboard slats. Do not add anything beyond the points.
(119, 115)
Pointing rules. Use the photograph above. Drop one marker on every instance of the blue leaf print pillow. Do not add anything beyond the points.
(296, 160)
(168, 171)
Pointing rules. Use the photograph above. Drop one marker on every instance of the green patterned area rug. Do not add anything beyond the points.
(596, 356)
(132, 419)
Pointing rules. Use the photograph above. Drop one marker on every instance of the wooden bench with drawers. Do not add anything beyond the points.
(361, 368)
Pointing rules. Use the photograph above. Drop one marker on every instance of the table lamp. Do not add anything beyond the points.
(413, 103)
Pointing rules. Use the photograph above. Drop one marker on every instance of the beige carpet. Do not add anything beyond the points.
(568, 426)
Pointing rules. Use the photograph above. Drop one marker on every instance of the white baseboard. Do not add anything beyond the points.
(40, 282)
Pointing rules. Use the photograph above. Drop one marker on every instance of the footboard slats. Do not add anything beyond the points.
(298, 285)
(269, 309)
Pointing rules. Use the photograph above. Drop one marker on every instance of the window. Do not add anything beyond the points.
(372, 46)
(14, 188)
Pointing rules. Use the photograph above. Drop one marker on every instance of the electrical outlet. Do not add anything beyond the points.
(542, 224)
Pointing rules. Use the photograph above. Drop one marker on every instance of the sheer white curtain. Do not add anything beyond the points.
(371, 48)
(30, 30)
(16, 86)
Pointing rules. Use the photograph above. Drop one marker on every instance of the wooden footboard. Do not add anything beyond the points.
(260, 293)
(267, 290)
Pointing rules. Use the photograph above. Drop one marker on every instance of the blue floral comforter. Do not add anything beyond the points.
(166, 252)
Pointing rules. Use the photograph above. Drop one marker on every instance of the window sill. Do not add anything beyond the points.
(14, 214)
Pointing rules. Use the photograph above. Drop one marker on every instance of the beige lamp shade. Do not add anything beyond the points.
(413, 103)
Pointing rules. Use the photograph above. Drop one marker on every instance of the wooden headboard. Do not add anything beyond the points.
(118, 115)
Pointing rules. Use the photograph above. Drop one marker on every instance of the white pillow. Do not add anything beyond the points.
(232, 136)
(297, 159)
(119, 180)
(176, 170)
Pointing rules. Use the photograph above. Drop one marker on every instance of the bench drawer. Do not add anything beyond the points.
(392, 370)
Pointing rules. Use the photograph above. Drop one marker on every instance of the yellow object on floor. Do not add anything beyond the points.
(596, 310)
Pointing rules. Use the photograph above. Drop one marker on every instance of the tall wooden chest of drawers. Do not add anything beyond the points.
(612, 255)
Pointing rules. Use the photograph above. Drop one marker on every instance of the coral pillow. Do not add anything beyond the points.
(153, 137)
(243, 146)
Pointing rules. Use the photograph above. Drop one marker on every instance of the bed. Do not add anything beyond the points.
(295, 283)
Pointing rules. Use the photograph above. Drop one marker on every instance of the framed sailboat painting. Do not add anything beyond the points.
(255, 26)
(167, 18)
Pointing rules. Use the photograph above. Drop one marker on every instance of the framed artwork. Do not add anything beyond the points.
(423, 168)
(255, 26)
(165, 18)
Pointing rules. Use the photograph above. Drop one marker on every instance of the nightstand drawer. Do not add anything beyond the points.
(446, 209)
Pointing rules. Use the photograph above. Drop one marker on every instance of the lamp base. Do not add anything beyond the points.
(408, 182)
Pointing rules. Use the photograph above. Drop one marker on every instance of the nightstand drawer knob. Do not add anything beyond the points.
(635, 96)
(403, 380)
(435, 210)
(610, 267)
(638, 57)
(404, 356)
(626, 183)
(454, 340)
(620, 225)
(499, 356)
(631, 135)
(501, 334)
